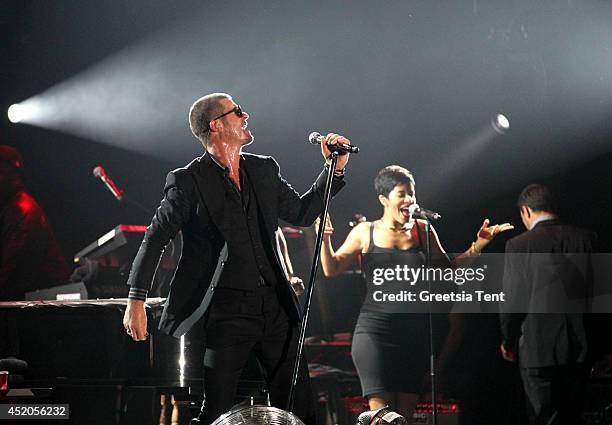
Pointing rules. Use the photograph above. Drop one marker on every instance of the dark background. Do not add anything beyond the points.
(413, 83)
(409, 82)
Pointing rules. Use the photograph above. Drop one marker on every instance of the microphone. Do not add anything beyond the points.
(110, 185)
(315, 138)
(417, 212)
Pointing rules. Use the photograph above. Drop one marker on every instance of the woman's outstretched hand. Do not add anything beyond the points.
(487, 232)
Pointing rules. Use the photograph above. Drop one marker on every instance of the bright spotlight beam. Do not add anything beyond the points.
(16, 113)
(500, 123)
(27, 111)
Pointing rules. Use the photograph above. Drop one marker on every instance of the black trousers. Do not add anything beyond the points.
(240, 323)
(555, 394)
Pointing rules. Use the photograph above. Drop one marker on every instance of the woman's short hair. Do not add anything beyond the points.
(391, 176)
(202, 111)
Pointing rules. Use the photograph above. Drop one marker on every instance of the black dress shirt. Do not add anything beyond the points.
(248, 266)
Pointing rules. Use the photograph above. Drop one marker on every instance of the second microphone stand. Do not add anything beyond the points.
(432, 350)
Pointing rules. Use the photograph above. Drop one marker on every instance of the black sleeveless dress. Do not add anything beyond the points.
(390, 349)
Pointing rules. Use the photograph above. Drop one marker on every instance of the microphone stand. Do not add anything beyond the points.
(313, 273)
(432, 353)
(137, 204)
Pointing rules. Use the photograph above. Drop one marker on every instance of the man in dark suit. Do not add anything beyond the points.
(227, 204)
(547, 283)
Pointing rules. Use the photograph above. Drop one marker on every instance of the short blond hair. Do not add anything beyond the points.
(202, 111)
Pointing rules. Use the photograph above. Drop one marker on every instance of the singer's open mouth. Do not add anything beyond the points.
(405, 211)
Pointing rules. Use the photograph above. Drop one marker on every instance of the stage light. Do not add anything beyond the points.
(500, 123)
(17, 112)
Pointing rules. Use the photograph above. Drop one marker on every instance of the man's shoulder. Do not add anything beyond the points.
(549, 233)
(192, 167)
(264, 162)
(182, 176)
(253, 157)
(561, 228)
(519, 239)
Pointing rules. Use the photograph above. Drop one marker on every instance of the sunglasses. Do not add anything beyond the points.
(236, 109)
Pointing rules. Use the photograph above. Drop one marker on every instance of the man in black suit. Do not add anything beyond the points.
(547, 283)
(227, 204)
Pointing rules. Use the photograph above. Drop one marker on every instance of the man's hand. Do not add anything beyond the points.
(135, 320)
(333, 138)
(507, 354)
(297, 284)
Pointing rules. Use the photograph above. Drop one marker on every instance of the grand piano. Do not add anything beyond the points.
(77, 352)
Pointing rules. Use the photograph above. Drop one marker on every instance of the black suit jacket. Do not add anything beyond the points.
(547, 277)
(194, 202)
